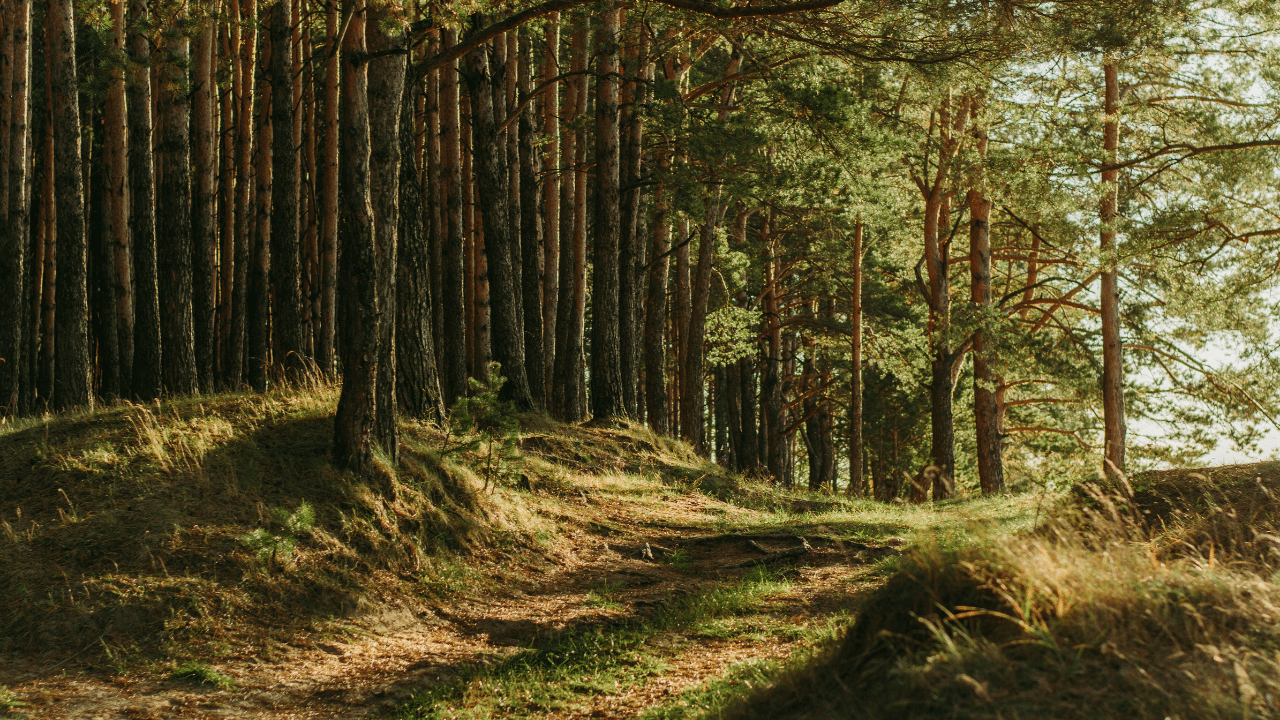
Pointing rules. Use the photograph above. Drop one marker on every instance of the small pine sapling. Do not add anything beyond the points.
(484, 424)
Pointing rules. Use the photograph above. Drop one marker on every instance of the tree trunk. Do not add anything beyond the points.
(531, 246)
(771, 419)
(1112, 350)
(631, 249)
(146, 358)
(258, 307)
(942, 418)
(329, 196)
(204, 219)
(72, 382)
(454, 378)
(116, 207)
(985, 381)
(655, 365)
(386, 89)
(14, 224)
(567, 390)
(49, 222)
(105, 342)
(417, 382)
(606, 356)
(748, 451)
(286, 301)
(357, 286)
(244, 83)
(857, 483)
(550, 203)
(228, 104)
(507, 335)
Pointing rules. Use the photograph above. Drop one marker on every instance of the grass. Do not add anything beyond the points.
(198, 673)
(564, 672)
(8, 699)
(1160, 603)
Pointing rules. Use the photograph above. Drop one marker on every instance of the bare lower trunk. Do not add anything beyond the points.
(550, 203)
(453, 380)
(13, 226)
(116, 206)
(606, 356)
(146, 359)
(204, 218)
(567, 389)
(857, 483)
(655, 374)
(72, 386)
(329, 197)
(386, 89)
(286, 300)
(531, 246)
(357, 286)
(1112, 350)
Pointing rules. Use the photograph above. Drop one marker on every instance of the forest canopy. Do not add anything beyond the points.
(888, 248)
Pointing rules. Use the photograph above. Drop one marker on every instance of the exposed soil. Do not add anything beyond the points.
(369, 665)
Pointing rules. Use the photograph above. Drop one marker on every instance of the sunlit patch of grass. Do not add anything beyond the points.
(562, 673)
(198, 673)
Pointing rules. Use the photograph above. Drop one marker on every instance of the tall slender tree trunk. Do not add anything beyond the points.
(771, 416)
(104, 345)
(568, 390)
(286, 301)
(116, 206)
(857, 470)
(230, 35)
(655, 375)
(454, 376)
(550, 203)
(14, 223)
(173, 220)
(418, 391)
(204, 218)
(1112, 349)
(258, 304)
(631, 244)
(146, 358)
(507, 335)
(329, 196)
(357, 286)
(245, 82)
(72, 385)
(985, 406)
(606, 356)
(386, 90)
(49, 222)
(531, 245)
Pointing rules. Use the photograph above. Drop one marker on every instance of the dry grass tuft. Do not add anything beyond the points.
(1157, 602)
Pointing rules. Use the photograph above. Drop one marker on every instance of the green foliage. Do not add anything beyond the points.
(267, 545)
(485, 424)
(198, 673)
(8, 699)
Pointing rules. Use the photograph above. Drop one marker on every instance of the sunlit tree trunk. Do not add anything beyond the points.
(567, 388)
(550, 202)
(857, 484)
(985, 408)
(285, 268)
(329, 196)
(244, 84)
(1112, 350)
(655, 371)
(116, 206)
(531, 245)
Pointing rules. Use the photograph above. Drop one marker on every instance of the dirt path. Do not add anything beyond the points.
(381, 659)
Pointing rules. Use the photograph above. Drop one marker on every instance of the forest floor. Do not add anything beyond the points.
(640, 594)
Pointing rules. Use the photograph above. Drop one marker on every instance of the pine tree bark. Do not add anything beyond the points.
(1112, 349)
(386, 90)
(357, 286)
(531, 245)
(329, 196)
(286, 268)
(244, 84)
(507, 334)
(857, 470)
(116, 207)
(550, 203)
(173, 221)
(104, 345)
(72, 385)
(655, 370)
(985, 405)
(204, 217)
(631, 242)
(417, 382)
(454, 377)
(229, 35)
(146, 359)
(258, 302)
(567, 389)
(14, 223)
(606, 352)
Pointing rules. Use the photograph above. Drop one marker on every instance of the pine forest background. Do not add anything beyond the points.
(895, 248)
